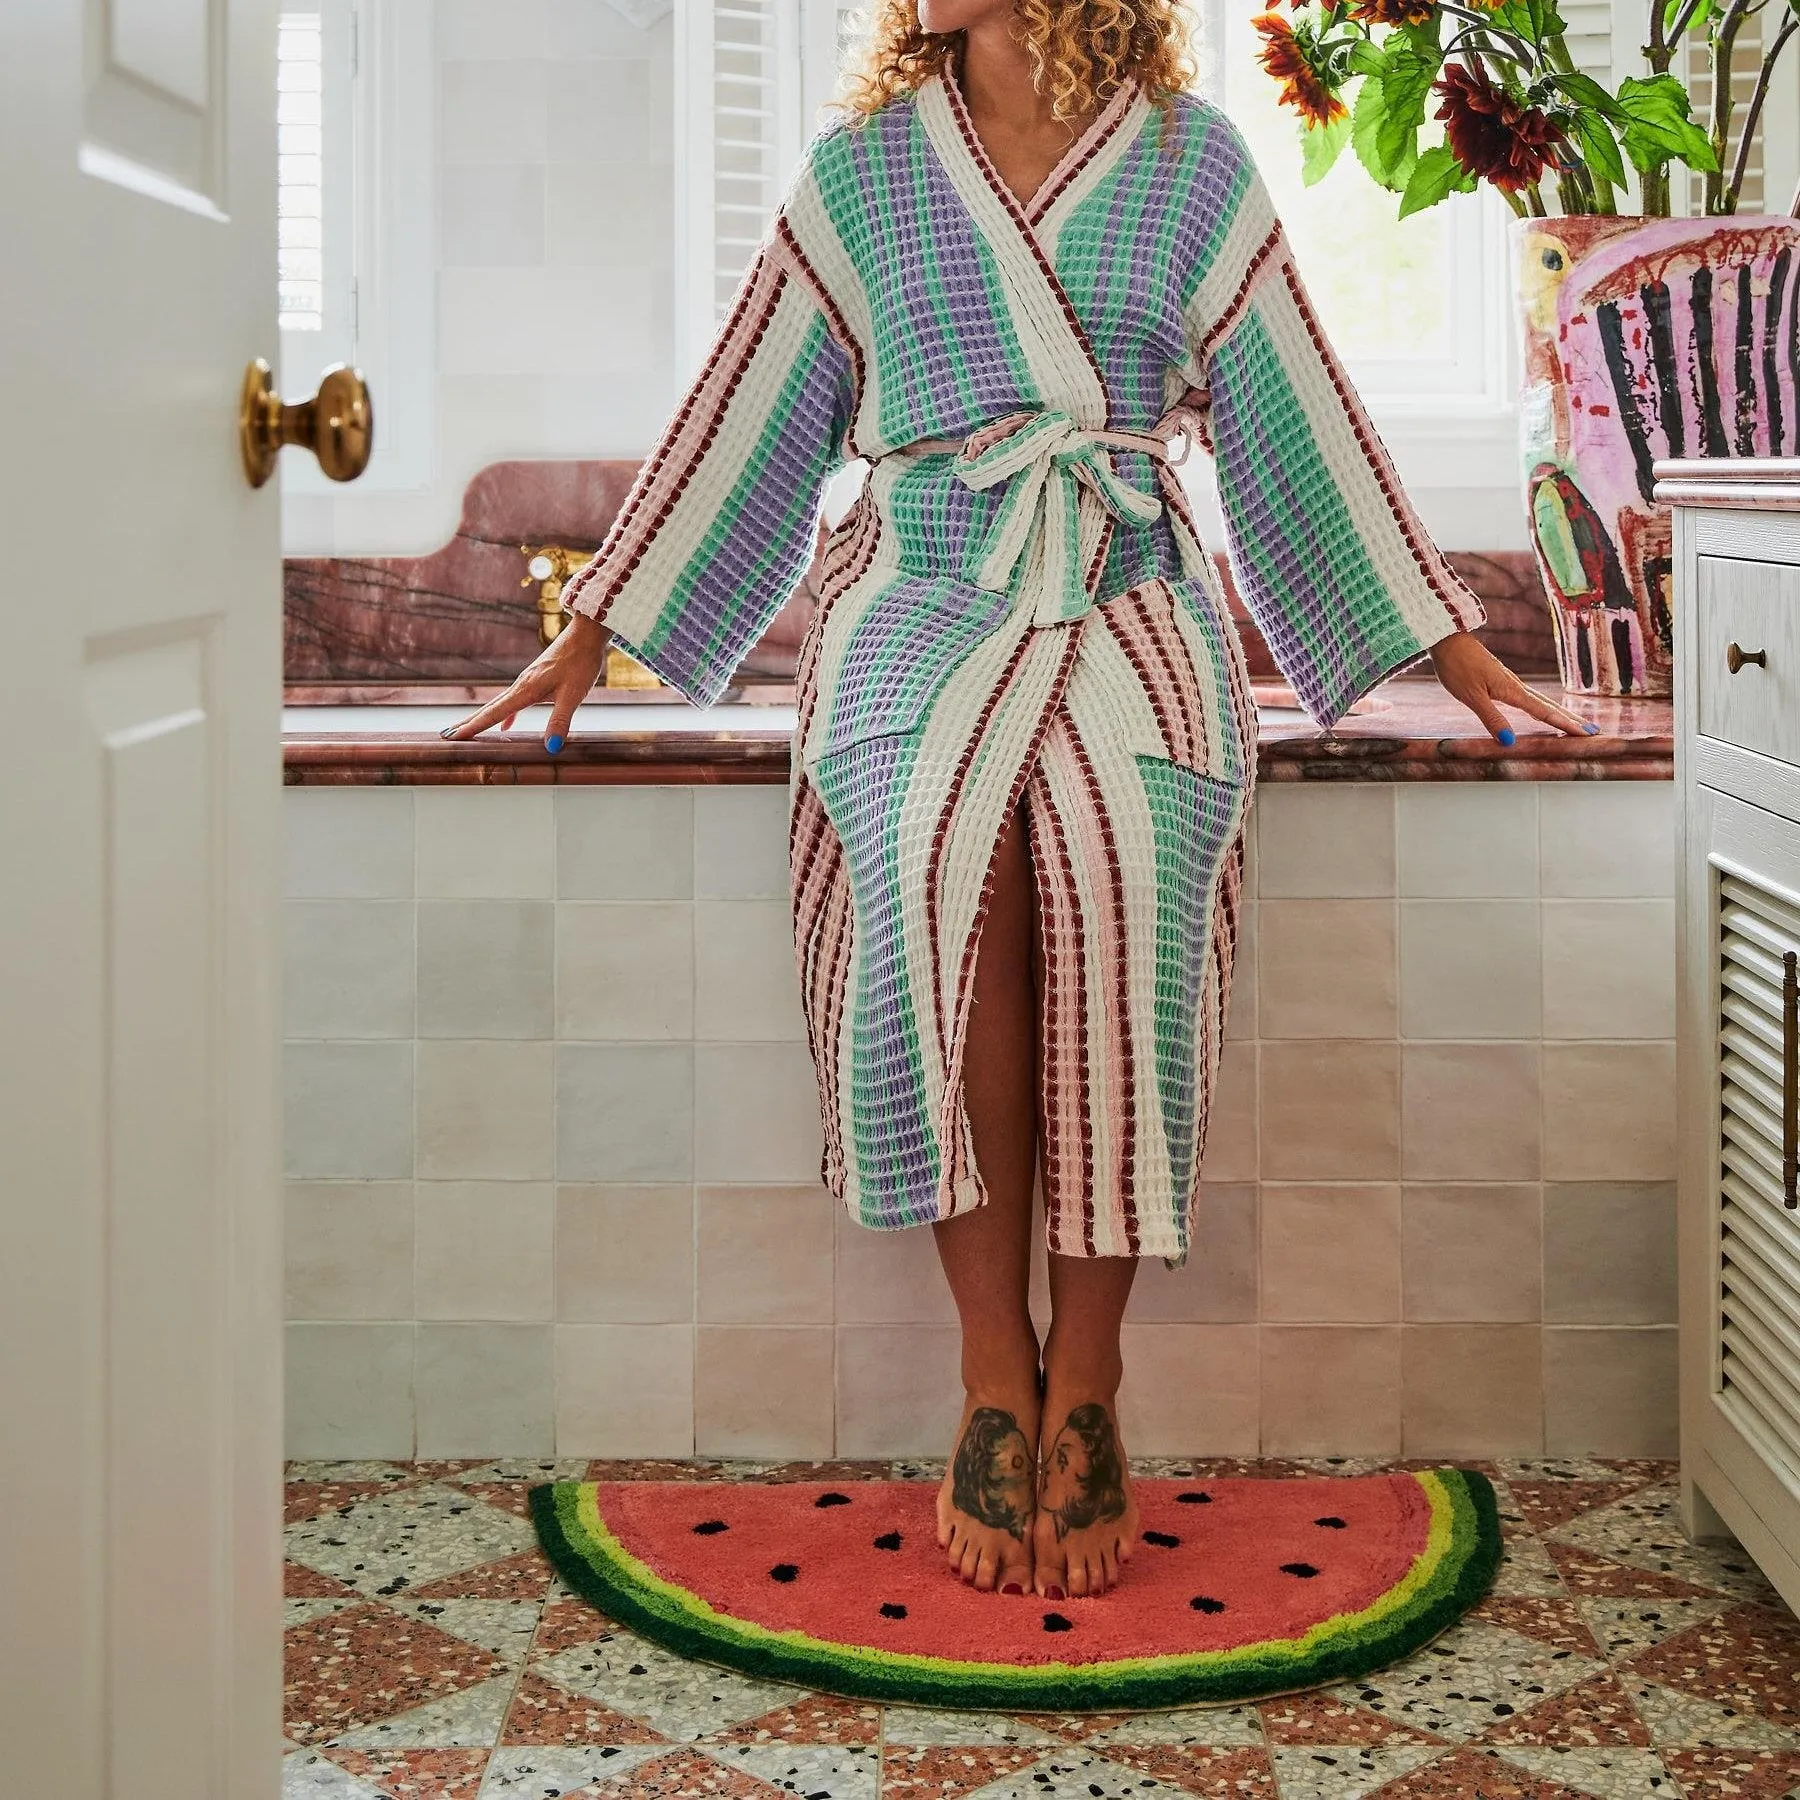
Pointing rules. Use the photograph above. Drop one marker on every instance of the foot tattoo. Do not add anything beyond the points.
(991, 1479)
(1084, 1467)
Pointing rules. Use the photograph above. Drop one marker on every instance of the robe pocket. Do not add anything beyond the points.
(888, 645)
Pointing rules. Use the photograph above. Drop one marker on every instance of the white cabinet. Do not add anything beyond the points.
(1737, 770)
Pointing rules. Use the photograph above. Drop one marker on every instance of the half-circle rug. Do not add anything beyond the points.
(1241, 1588)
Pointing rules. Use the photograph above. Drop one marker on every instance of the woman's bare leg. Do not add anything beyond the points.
(985, 1505)
(1087, 1517)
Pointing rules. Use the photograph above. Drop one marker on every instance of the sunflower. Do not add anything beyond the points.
(1284, 54)
(1392, 12)
(1494, 136)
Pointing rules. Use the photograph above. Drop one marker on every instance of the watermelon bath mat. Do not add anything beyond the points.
(1241, 1588)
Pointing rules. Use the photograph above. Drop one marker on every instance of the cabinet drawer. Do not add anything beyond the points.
(1756, 606)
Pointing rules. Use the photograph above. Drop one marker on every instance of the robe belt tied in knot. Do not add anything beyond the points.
(1047, 460)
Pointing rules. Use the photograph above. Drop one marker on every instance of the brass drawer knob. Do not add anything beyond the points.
(337, 424)
(1735, 658)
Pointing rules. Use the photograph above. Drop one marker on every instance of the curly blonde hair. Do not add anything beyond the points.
(1080, 51)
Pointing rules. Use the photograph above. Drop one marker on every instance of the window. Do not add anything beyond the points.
(315, 68)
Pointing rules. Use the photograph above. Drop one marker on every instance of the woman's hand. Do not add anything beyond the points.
(564, 674)
(1471, 673)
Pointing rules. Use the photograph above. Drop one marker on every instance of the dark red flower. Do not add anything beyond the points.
(1284, 56)
(1490, 133)
(1392, 12)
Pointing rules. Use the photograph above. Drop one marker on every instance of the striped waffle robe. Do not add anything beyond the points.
(1017, 611)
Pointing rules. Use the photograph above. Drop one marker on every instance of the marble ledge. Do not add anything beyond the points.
(1408, 730)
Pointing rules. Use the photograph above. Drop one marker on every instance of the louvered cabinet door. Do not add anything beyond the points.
(1740, 1080)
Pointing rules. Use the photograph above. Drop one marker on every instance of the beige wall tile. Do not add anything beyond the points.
(1189, 1390)
(624, 1390)
(1327, 842)
(625, 1255)
(624, 843)
(746, 982)
(1609, 968)
(1469, 969)
(740, 843)
(478, 843)
(349, 1249)
(348, 1111)
(1331, 1390)
(1218, 1283)
(1326, 969)
(899, 1389)
(349, 1391)
(756, 1113)
(1233, 1139)
(889, 1277)
(485, 1390)
(1609, 1252)
(484, 1111)
(765, 1255)
(1610, 1391)
(1330, 1110)
(1472, 1112)
(485, 1250)
(1462, 841)
(625, 1112)
(348, 843)
(625, 971)
(1609, 1112)
(486, 968)
(763, 1391)
(1607, 839)
(1330, 1255)
(347, 968)
(1241, 1007)
(1472, 1253)
(1471, 1390)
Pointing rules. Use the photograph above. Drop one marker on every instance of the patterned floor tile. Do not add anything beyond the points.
(681, 1699)
(303, 1612)
(948, 1771)
(819, 1771)
(1336, 1724)
(1205, 1769)
(303, 1500)
(527, 1470)
(1526, 1568)
(1550, 1619)
(654, 1468)
(1747, 1658)
(815, 1719)
(503, 1627)
(1613, 1773)
(1622, 1628)
(1217, 1727)
(543, 1713)
(306, 1775)
(1587, 1574)
(1736, 1774)
(416, 1774)
(389, 1543)
(1593, 1713)
(522, 1577)
(1474, 1675)
(1345, 1771)
(1474, 1775)
(469, 1718)
(1548, 1505)
(567, 1620)
(1070, 1774)
(929, 1726)
(544, 1771)
(1677, 1719)
(301, 1583)
(685, 1775)
(1644, 1531)
(369, 1663)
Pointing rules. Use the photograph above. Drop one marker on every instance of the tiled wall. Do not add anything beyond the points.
(553, 1142)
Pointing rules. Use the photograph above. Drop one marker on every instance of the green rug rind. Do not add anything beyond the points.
(596, 1566)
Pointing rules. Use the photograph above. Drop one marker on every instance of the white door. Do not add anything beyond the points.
(139, 969)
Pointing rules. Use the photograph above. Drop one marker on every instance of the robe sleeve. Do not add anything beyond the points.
(1327, 553)
(721, 523)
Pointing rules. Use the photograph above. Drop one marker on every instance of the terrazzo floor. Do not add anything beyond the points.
(431, 1653)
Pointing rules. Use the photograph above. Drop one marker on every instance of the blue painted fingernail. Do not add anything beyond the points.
(553, 744)
(448, 731)
(1591, 730)
(1505, 734)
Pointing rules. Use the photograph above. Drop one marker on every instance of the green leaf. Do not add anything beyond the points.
(1595, 137)
(1319, 148)
(1405, 86)
(1586, 90)
(1366, 58)
(1658, 126)
(1436, 174)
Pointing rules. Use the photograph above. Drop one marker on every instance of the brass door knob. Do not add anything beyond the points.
(337, 424)
(1736, 658)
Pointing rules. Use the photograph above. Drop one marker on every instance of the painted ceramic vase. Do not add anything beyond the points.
(1643, 338)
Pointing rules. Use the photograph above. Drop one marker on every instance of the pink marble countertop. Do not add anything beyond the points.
(1408, 730)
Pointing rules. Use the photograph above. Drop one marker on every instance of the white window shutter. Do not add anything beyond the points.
(1746, 59)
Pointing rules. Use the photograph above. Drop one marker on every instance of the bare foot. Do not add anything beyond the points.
(1087, 1516)
(985, 1504)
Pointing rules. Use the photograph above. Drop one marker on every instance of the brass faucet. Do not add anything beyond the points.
(550, 566)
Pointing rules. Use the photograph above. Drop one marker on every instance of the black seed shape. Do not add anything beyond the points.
(1304, 1570)
(892, 1609)
(784, 1572)
(832, 1500)
(1056, 1622)
(889, 1540)
(1166, 1540)
(710, 1527)
(1330, 1523)
(1206, 1604)
(1195, 1499)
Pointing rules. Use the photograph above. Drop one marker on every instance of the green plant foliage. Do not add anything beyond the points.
(1435, 174)
(1320, 146)
(1659, 126)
